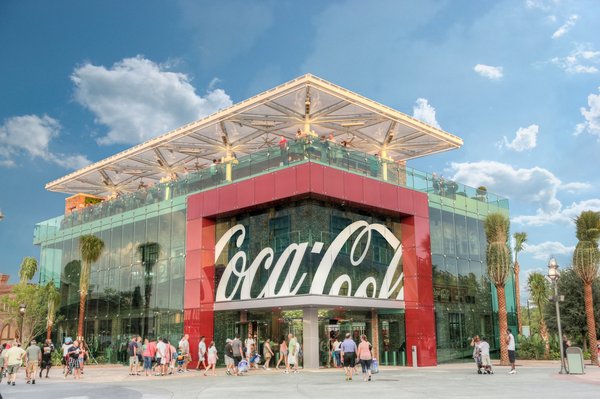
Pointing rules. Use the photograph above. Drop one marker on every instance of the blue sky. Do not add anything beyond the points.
(519, 81)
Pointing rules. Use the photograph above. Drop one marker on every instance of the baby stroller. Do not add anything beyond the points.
(478, 361)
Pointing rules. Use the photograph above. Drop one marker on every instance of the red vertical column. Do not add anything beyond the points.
(199, 276)
(418, 286)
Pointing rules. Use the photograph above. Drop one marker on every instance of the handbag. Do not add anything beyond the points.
(374, 366)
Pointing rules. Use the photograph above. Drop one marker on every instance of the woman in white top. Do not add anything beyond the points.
(212, 358)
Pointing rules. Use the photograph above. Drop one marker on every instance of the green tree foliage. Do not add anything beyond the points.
(572, 310)
(498, 259)
(539, 288)
(28, 269)
(53, 298)
(586, 259)
(34, 298)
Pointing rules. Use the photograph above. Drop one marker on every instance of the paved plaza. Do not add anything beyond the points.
(533, 380)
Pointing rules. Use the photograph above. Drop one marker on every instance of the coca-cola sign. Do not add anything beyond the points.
(285, 275)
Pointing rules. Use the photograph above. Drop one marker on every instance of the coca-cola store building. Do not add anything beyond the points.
(311, 234)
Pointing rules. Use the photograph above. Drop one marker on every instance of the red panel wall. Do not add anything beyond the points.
(310, 179)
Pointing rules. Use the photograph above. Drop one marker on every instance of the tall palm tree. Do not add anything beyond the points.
(53, 296)
(90, 248)
(496, 227)
(538, 288)
(585, 263)
(520, 239)
(28, 269)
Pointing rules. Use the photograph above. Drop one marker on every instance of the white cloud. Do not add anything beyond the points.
(591, 115)
(488, 71)
(425, 112)
(138, 99)
(31, 134)
(562, 215)
(537, 186)
(580, 60)
(544, 250)
(526, 138)
(565, 27)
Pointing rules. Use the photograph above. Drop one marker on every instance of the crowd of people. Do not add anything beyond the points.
(160, 357)
(35, 358)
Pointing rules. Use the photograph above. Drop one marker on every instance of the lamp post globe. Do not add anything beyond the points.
(22, 309)
(553, 275)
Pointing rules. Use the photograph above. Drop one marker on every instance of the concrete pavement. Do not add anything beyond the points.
(533, 380)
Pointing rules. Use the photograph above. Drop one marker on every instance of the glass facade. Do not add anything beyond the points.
(137, 285)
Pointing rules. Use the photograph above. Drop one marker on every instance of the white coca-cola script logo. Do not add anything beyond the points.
(237, 268)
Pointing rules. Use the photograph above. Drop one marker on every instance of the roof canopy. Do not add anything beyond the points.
(307, 103)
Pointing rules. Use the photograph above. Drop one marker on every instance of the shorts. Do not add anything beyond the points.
(133, 360)
(485, 360)
(349, 359)
(228, 361)
(12, 368)
(32, 367)
(147, 362)
(365, 365)
(511, 356)
(237, 360)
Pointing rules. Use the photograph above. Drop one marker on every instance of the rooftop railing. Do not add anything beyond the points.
(268, 160)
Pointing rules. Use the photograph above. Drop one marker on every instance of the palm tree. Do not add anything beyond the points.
(90, 248)
(28, 269)
(496, 227)
(538, 288)
(53, 296)
(520, 239)
(585, 265)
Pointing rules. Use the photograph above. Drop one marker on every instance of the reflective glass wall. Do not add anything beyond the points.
(136, 287)
(465, 300)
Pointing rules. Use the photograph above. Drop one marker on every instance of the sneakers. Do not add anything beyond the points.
(33, 382)
(13, 384)
(513, 371)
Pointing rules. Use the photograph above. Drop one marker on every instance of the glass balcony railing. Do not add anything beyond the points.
(266, 161)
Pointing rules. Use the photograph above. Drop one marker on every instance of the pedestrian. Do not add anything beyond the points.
(33, 359)
(83, 354)
(348, 352)
(267, 353)
(147, 355)
(161, 356)
(476, 353)
(283, 353)
(212, 358)
(238, 354)
(2, 349)
(293, 351)
(65, 352)
(172, 358)
(337, 362)
(152, 350)
(566, 344)
(365, 356)
(202, 353)
(13, 358)
(139, 352)
(510, 341)
(47, 357)
(73, 360)
(184, 350)
(228, 357)
(132, 349)
(248, 343)
(484, 352)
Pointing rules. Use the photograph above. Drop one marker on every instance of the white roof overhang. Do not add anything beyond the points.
(307, 102)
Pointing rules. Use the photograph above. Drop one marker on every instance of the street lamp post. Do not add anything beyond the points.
(553, 275)
(22, 308)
